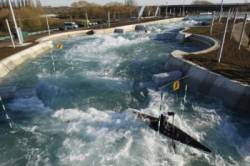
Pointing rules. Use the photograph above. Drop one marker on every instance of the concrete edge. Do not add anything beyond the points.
(10, 63)
(234, 94)
(212, 43)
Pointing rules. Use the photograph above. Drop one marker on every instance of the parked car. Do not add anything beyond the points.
(69, 25)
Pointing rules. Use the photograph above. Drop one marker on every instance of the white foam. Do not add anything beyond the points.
(191, 22)
(101, 131)
(95, 126)
(104, 42)
(126, 150)
(92, 115)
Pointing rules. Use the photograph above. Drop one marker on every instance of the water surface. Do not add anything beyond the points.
(81, 114)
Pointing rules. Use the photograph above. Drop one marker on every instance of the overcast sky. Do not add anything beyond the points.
(140, 2)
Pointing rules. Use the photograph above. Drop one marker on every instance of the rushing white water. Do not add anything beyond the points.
(81, 114)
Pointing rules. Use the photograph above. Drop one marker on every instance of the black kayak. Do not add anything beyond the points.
(166, 128)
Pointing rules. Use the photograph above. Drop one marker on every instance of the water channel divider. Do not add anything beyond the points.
(234, 95)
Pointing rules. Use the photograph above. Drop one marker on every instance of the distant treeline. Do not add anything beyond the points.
(30, 13)
(20, 3)
(29, 19)
(94, 12)
(78, 10)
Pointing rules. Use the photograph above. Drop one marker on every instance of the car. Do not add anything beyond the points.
(70, 25)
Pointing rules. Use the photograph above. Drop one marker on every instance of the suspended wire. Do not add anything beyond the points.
(6, 114)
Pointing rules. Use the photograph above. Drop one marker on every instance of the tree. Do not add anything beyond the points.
(114, 4)
(202, 2)
(130, 2)
(38, 3)
(83, 3)
(23, 3)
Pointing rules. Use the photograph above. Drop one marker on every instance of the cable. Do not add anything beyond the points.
(5, 113)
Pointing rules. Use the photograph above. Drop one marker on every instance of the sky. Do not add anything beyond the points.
(140, 2)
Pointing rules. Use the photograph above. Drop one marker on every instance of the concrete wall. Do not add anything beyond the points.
(63, 35)
(210, 42)
(10, 63)
(233, 94)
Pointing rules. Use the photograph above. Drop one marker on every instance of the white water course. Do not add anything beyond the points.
(75, 106)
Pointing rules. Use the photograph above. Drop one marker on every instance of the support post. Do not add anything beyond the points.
(109, 19)
(87, 19)
(243, 30)
(235, 18)
(221, 10)
(212, 24)
(167, 10)
(183, 9)
(157, 11)
(149, 11)
(47, 22)
(11, 37)
(14, 20)
(140, 14)
(224, 36)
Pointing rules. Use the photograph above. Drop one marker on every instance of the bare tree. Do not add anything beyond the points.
(1, 4)
(38, 3)
(130, 2)
(22, 3)
(202, 2)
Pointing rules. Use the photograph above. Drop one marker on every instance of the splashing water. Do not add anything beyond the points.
(81, 114)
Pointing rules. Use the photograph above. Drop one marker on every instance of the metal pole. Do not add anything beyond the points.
(109, 19)
(167, 10)
(14, 20)
(243, 30)
(212, 24)
(157, 11)
(149, 11)
(11, 37)
(221, 10)
(47, 21)
(183, 8)
(235, 18)
(87, 19)
(224, 36)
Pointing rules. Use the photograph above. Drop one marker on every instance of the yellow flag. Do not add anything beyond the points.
(176, 85)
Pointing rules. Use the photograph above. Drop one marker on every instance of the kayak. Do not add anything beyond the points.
(164, 127)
